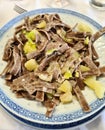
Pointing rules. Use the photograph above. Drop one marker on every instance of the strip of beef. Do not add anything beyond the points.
(52, 17)
(19, 28)
(79, 46)
(94, 53)
(28, 24)
(24, 94)
(17, 62)
(57, 38)
(53, 45)
(80, 83)
(45, 33)
(45, 76)
(53, 56)
(78, 34)
(40, 96)
(8, 50)
(92, 65)
(23, 82)
(54, 69)
(37, 53)
(102, 69)
(7, 68)
(50, 105)
(31, 84)
(81, 99)
(18, 40)
(17, 87)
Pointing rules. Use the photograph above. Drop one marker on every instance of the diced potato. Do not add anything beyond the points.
(68, 40)
(92, 82)
(76, 74)
(42, 24)
(68, 74)
(84, 68)
(31, 65)
(86, 42)
(97, 86)
(65, 86)
(32, 34)
(99, 91)
(82, 27)
(24, 31)
(66, 97)
(76, 54)
(49, 52)
(29, 47)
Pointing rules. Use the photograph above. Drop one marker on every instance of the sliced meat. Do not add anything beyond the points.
(45, 33)
(8, 50)
(102, 69)
(55, 70)
(25, 94)
(50, 105)
(80, 83)
(53, 56)
(19, 28)
(53, 45)
(7, 68)
(28, 24)
(81, 99)
(44, 76)
(17, 62)
(40, 96)
(79, 46)
(92, 65)
(94, 53)
(31, 84)
(24, 82)
(46, 61)
(37, 53)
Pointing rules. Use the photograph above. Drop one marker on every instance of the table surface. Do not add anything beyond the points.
(7, 13)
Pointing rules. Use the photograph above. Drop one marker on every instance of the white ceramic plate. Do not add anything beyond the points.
(32, 112)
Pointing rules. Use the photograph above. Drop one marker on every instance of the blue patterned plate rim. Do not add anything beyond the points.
(40, 118)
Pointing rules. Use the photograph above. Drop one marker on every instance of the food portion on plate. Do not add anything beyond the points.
(52, 62)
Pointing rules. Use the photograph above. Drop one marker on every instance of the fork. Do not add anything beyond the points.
(19, 9)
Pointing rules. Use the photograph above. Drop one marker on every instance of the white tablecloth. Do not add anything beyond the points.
(7, 13)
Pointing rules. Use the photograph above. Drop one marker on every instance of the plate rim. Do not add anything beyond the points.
(62, 126)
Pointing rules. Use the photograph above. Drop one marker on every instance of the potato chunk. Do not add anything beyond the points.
(31, 65)
(42, 24)
(82, 27)
(65, 86)
(29, 47)
(97, 86)
(68, 74)
(32, 34)
(66, 97)
(84, 68)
